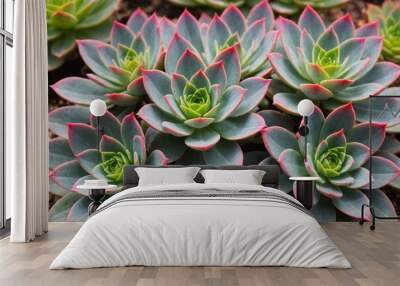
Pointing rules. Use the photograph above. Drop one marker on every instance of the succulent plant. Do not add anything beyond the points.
(252, 37)
(389, 19)
(68, 20)
(290, 7)
(215, 4)
(206, 106)
(338, 154)
(330, 65)
(74, 156)
(117, 67)
(384, 109)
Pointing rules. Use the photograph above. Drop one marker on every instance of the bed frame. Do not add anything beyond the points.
(271, 177)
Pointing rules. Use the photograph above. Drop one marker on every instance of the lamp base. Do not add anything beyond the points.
(96, 196)
(305, 190)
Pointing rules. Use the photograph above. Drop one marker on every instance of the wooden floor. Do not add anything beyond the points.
(375, 257)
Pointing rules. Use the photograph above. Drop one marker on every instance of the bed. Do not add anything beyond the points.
(198, 224)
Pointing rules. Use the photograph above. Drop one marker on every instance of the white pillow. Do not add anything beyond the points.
(247, 177)
(166, 176)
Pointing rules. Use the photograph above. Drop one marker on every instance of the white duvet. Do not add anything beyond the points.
(200, 231)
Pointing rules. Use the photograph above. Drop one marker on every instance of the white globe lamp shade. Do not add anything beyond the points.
(305, 107)
(98, 107)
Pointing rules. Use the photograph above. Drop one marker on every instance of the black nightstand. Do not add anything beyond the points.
(305, 187)
(96, 194)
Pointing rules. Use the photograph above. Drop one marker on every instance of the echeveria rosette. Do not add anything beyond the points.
(290, 7)
(75, 158)
(384, 109)
(330, 65)
(338, 155)
(252, 36)
(389, 19)
(207, 107)
(68, 20)
(215, 4)
(117, 67)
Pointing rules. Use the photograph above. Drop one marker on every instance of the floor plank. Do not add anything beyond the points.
(375, 257)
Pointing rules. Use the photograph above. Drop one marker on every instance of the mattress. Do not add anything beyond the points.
(201, 225)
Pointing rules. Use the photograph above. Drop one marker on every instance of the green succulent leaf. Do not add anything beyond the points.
(388, 17)
(361, 178)
(181, 129)
(382, 204)
(198, 101)
(176, 47)
(203, 139)
(277, 139)
(79, 210)
(89, 160)
(239, 128)
(383, 109)
(196, 104)
(67, 174)
(330, 163)
(117, 67)
(113, 164)
(359, 152)
(391, 145)
(137, 20)
(81, 137)
(360, 133)
(157, 85)
(224, 153)
(157, 158)
(79, 90)
(329, 190)
(276, 118)
(173, 147)
(256, 89)
(337, 153)
(309, 19)
(62, 46)
(288, 102)
(189, 64)
(56, 189)
(329, 63)
(59, 152)
(234, 19)
(59, 211)
(324, 210)
(342, 118)
(292, 7)
(292, 163)
(189, 28)
(215, 39)
(109, 125)
(108, 164)
(350, 203)
(69, 20)
(384, 171)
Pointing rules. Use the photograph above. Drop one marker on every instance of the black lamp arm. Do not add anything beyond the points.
(100, 131)
(305, 136)
(303, 131)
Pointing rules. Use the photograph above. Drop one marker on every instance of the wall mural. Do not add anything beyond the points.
(219, 83)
